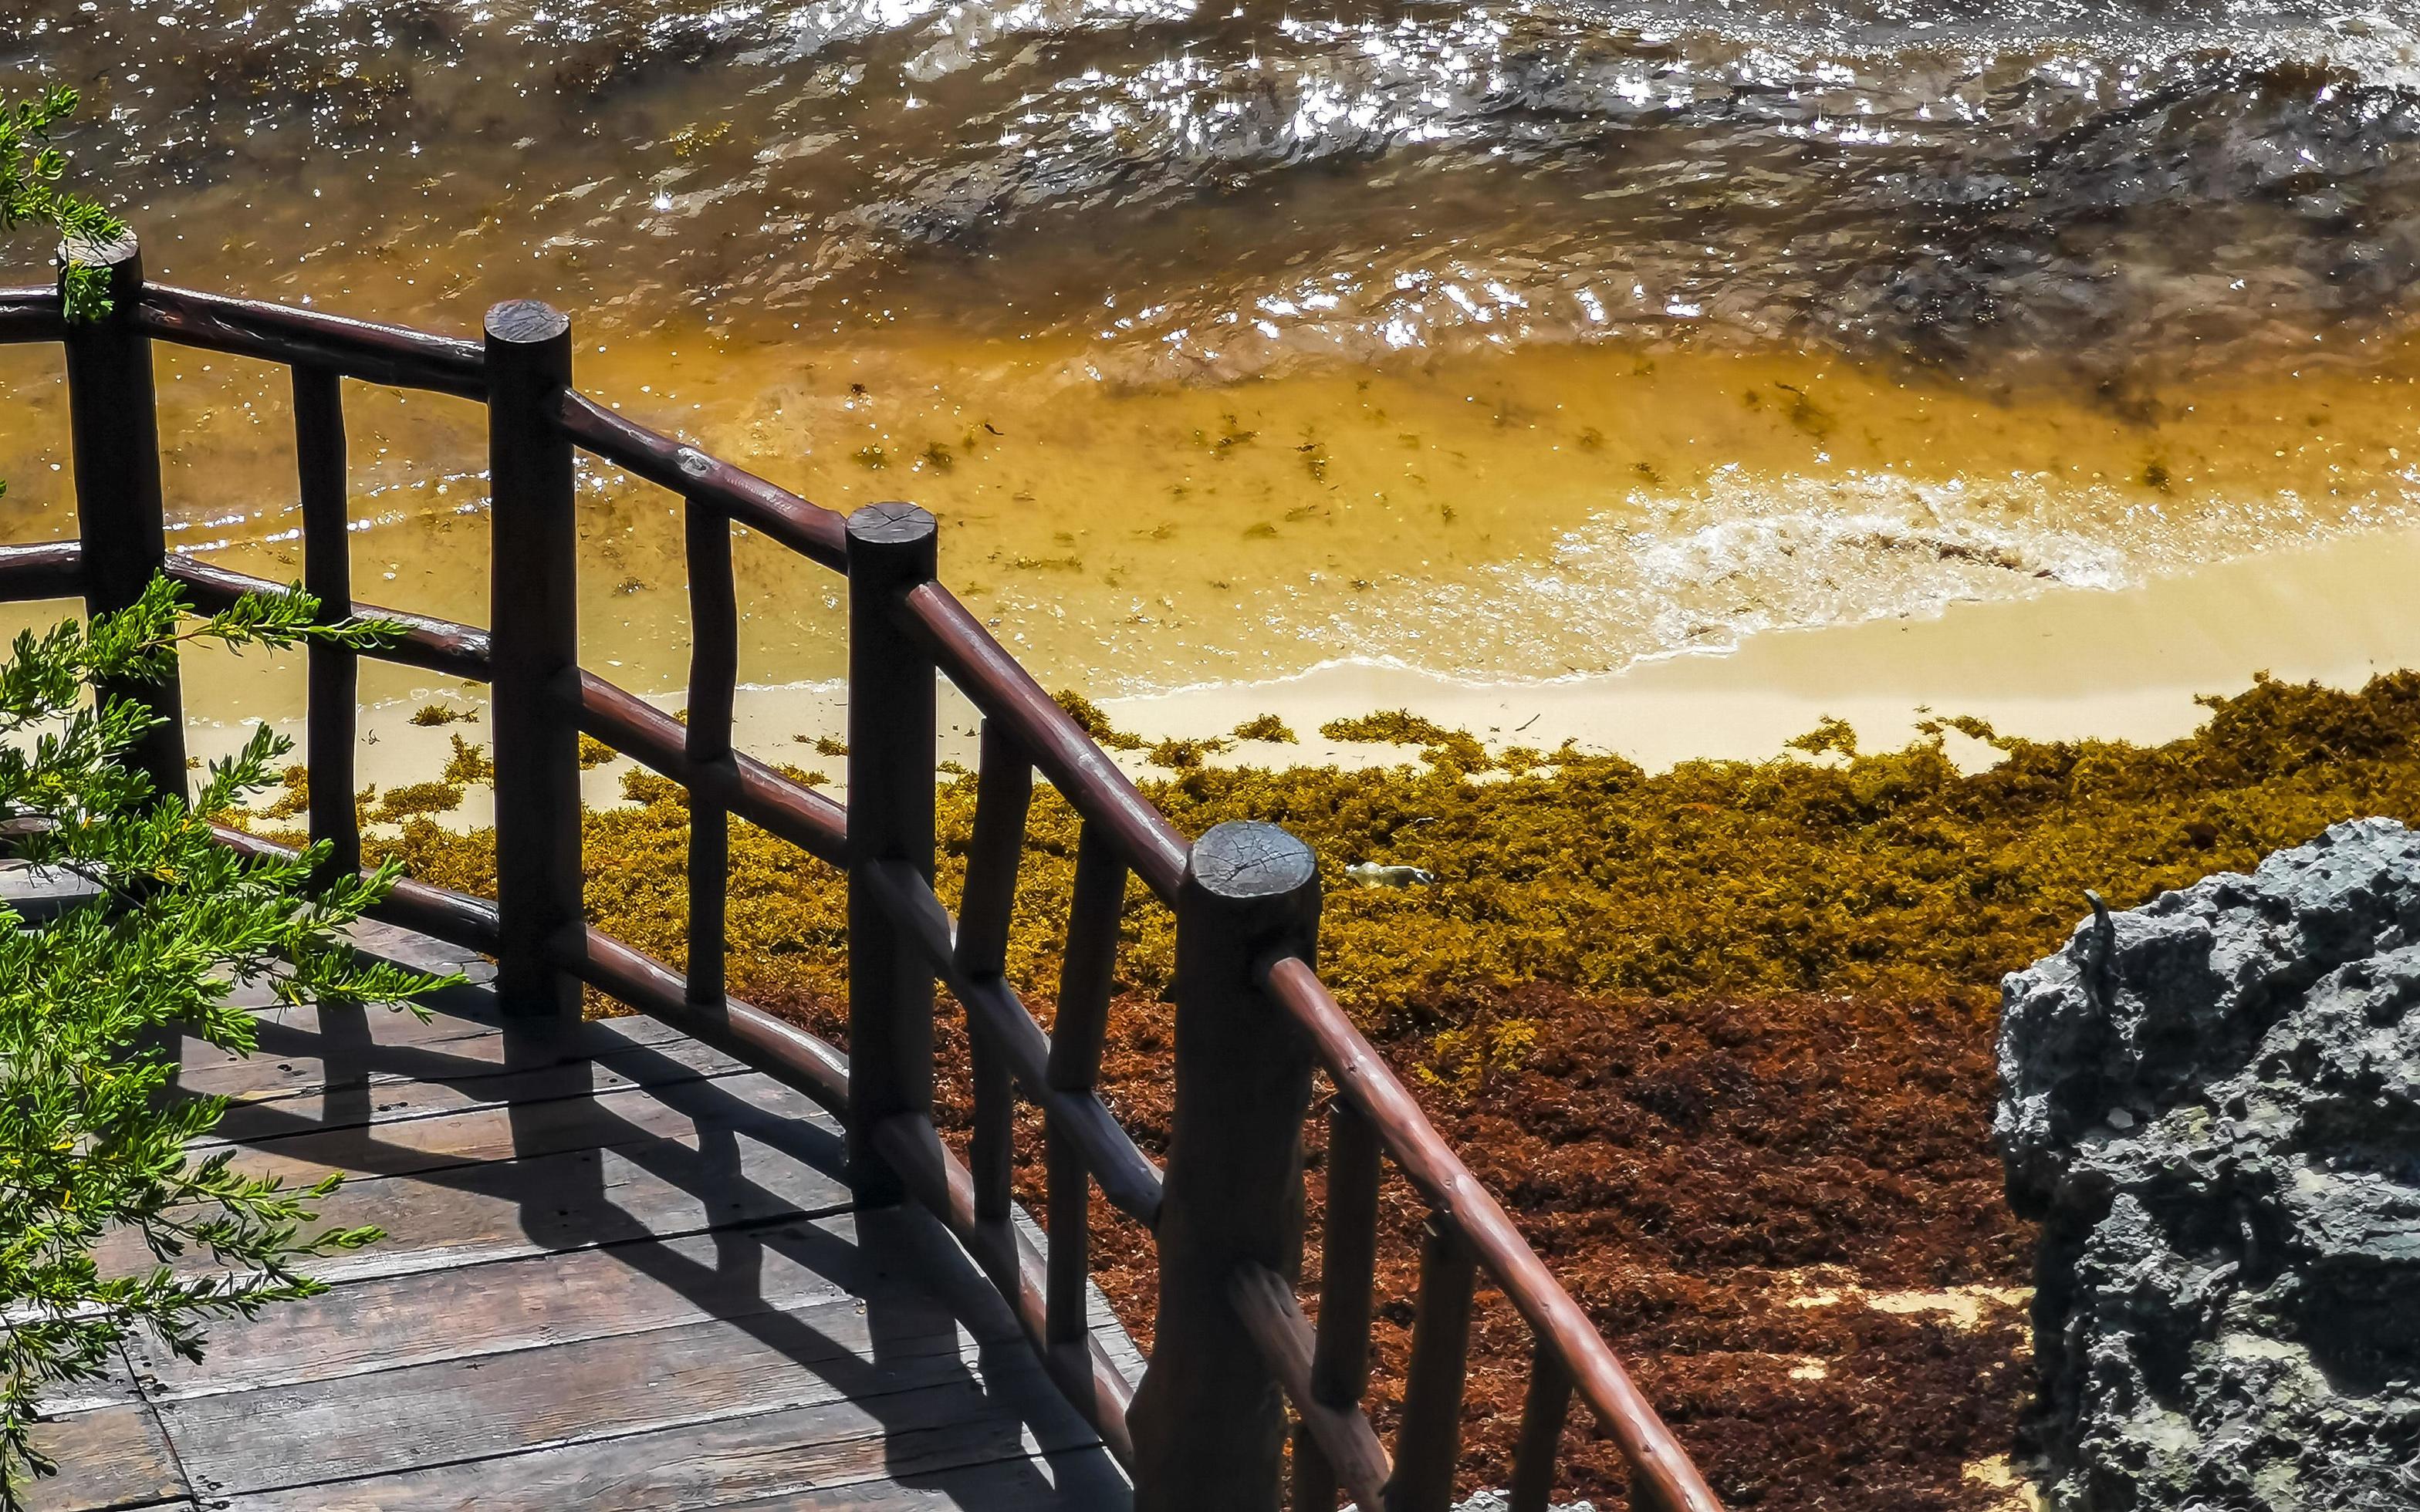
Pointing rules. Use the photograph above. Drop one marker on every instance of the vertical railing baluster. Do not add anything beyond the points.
(713, 682)
(1209, 1427)
(1541, 1431)
(1340, 1363)
(114, 431)
(892, 709)
(1085, 979)
(1429, 1439)
(329, 721)
(534, 614)
(1004, 795)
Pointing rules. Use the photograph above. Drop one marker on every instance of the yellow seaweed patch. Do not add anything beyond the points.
(1456, 749)
(470, 765)
(1088, 715)
(1893, 873)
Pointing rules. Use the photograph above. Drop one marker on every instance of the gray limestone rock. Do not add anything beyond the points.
(2211, 1103)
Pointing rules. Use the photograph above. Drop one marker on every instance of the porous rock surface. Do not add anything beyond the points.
(2211, 1103)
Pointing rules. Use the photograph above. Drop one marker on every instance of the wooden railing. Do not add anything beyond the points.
(1206, 1427)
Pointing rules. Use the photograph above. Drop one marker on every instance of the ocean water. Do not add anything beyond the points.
(1505, 340)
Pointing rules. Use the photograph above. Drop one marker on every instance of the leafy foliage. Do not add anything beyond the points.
(30, 168)
(107, 1225)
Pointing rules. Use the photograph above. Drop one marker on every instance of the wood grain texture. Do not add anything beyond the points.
(328, 733)
(1208, 1420)
(532, 612)
(581, 1391)
(332, 1109)
(891, 710)
(109, 1457)
(295, 1059)
(113, 440)
(622, 1115)
(623, 1270)
(904, 1436)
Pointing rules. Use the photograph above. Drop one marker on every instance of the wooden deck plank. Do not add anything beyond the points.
(577, 1199)
(576, 1392)
(1071, 1481)
(623, 1273)
(490, 1063)
(746, 1104)
(434, 1097)
(574, 1201)
(470, 1314)
(389, 1322)
(904, 1436)
(109, 1457)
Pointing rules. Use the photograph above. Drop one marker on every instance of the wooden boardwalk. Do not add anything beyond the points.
(623, 1275)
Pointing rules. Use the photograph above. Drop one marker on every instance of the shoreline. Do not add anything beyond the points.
(2126, 664)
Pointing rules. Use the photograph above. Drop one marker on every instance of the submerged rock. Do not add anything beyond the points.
(2211, 1103)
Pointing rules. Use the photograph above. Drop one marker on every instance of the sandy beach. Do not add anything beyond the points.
(2061, 664)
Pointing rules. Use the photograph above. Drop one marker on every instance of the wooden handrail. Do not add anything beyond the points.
(1343, 1435)
(50, 569)
(1348, 1264)
(995, 682)
(1092, 1382)
(332, 715)
(776, 1046)
(427, 642)
(752, 790)
(1128, 1177)
(440, 913)
(113, 446)
(768, 1043)
(32, 315)
(1363, 1078)
(810, 529)
(395, 356)
(1207, 1431)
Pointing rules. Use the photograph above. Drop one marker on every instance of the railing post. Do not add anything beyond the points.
(713, 678)
(329, 729)
(1208, 1423)
(891, 754)
(114, 427)
(534, 620)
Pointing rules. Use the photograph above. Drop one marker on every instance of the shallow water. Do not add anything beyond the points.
(1505, 340)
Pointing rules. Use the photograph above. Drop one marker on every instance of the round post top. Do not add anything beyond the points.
(109, 251)
(527, 322)
(1245, 858)
(890, 523)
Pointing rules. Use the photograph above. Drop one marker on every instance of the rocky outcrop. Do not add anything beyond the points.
(2211, 1103)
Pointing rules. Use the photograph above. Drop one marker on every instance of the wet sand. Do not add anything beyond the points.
(2062, 664)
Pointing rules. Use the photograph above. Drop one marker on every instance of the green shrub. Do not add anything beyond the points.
(92, 1141)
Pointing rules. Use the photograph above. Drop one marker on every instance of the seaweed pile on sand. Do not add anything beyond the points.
(1721, 1036)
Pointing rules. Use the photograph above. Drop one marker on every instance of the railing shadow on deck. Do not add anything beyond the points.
(1236, 1365)
(899, 1353)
